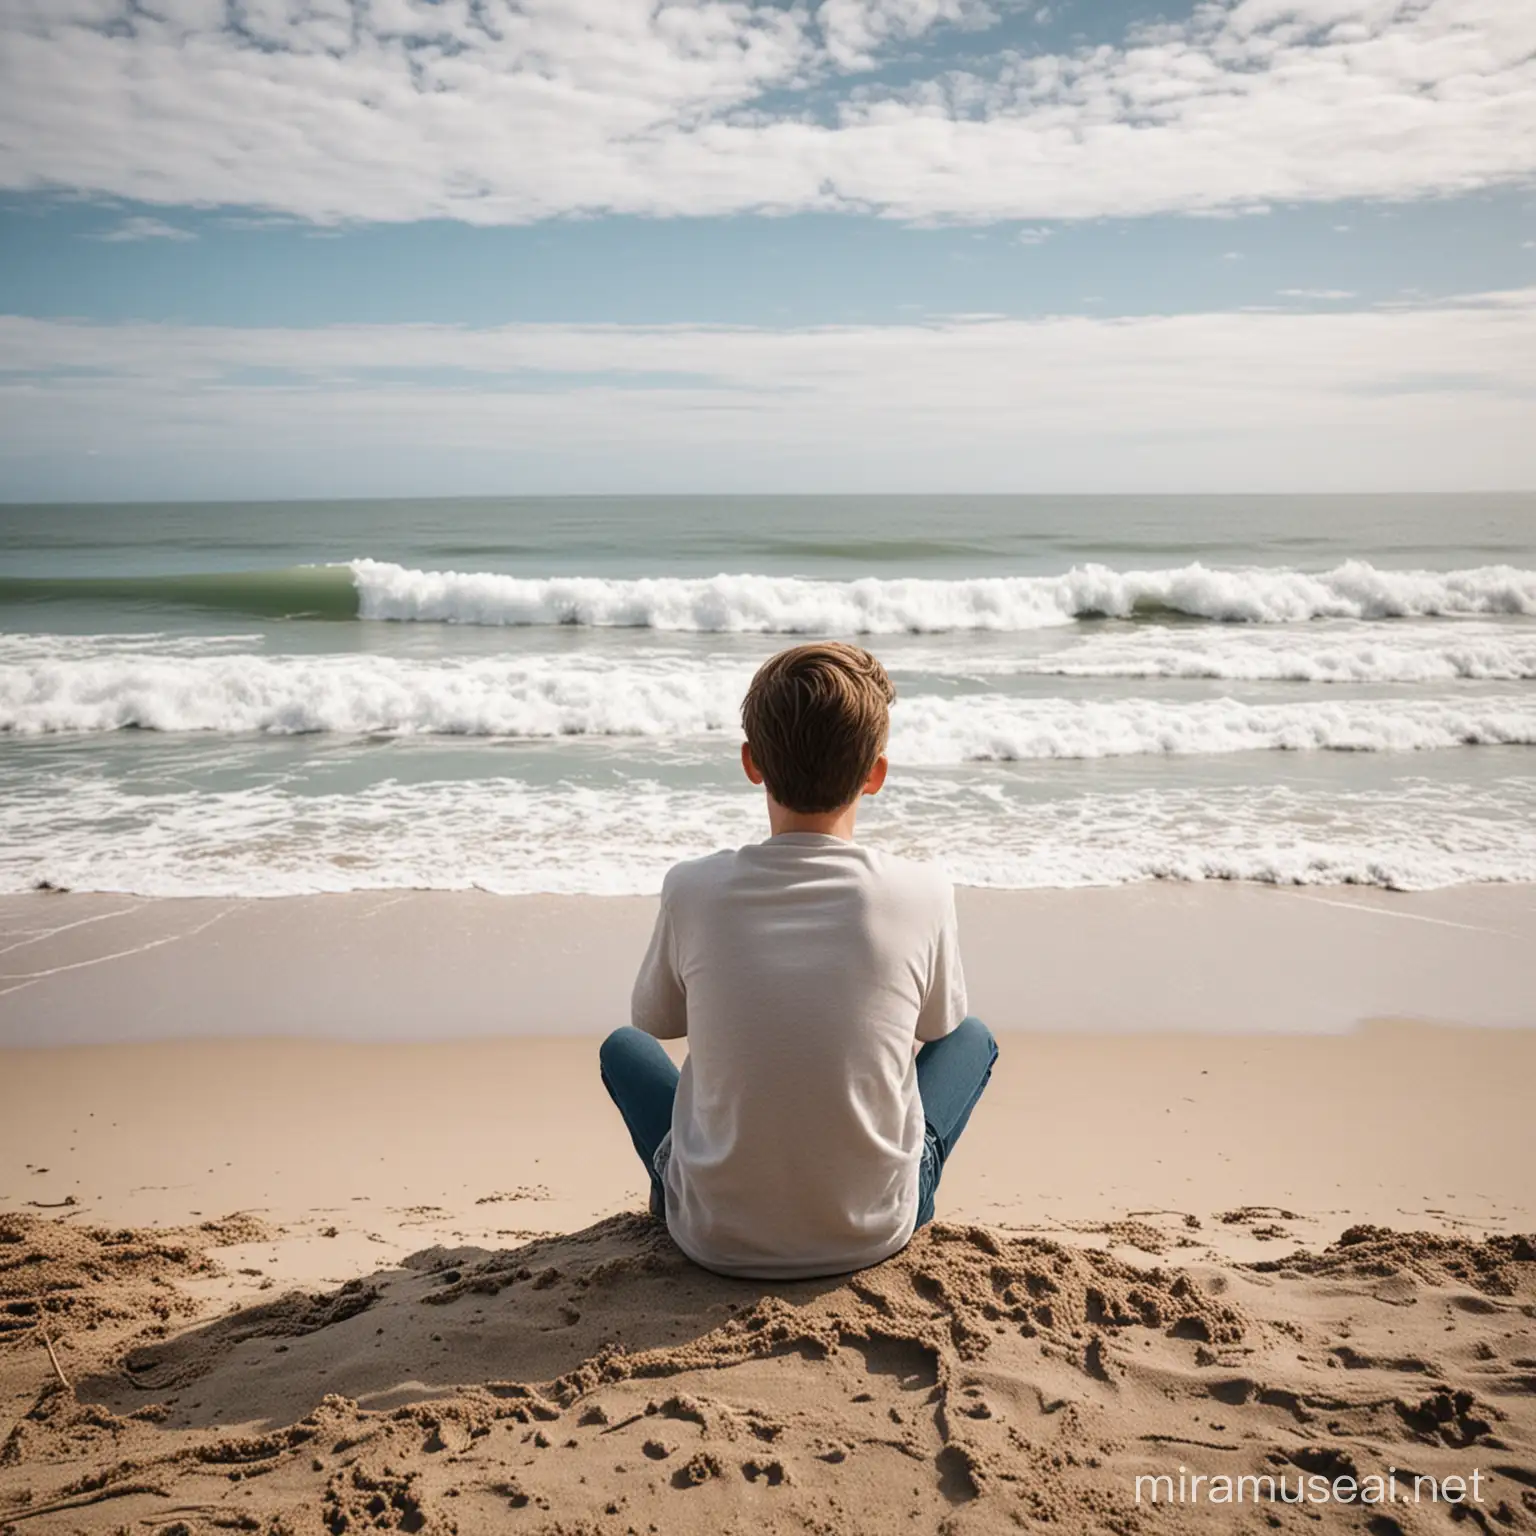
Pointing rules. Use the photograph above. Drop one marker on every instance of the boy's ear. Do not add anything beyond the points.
(876, 779)
(748, 767)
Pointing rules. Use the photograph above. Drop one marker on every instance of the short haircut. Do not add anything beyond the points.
(816, 718)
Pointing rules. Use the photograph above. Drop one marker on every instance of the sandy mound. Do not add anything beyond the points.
(82, 1277)
(598, 1382)
(1496, 1266)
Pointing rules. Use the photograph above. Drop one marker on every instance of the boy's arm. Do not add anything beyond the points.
(659, 1002)
(944, 1002)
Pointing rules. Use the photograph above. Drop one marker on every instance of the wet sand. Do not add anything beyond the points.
(449, 965)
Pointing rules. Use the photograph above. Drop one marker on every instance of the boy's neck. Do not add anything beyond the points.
(837, 823)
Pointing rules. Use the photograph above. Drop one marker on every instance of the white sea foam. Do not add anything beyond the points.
(1362, 655)
(537, 696)
(996, 727)
(795, 605)
(504, 835)
(545, 696)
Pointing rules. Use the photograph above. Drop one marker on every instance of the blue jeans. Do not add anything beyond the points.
(951, 1074)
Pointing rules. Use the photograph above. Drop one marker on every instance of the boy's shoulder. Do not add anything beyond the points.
(915, 879)
(707, 869)
(911, 879)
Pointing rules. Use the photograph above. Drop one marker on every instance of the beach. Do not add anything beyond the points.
(362, 1246)
(1169, 958)
(330, 840)
(972, 565)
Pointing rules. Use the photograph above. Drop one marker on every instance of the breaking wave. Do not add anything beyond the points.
(872, 606)
(542, 697)
(762, 604)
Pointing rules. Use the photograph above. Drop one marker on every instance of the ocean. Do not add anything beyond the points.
(541, 695)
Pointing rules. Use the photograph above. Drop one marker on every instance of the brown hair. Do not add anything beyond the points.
(816, 718)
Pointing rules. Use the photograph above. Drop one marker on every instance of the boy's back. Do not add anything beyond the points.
(802, 970)
(803, 1136)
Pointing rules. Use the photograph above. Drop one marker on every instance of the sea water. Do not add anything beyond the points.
(543, 694)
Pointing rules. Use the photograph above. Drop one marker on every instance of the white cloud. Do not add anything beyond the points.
(1034, 234)
(140, 228)
(854, 31)
(1331, 295)
(499, 112)
(1392, 398)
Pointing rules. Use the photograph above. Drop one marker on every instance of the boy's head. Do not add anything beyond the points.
(816, 720)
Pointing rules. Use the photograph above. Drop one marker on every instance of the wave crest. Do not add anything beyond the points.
(872, 605)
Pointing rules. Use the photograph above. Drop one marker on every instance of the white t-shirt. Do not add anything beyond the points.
(801, 970)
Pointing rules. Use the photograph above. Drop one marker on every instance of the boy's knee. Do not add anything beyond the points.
(613, 1047)
(980, 1034)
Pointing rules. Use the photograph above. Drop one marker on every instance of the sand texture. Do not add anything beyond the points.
(598, 1382)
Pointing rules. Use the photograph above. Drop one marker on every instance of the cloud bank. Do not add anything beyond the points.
(492, 112)
(1405, 398)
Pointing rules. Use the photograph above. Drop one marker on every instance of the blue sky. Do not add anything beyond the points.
(290, 247)
(801, 269)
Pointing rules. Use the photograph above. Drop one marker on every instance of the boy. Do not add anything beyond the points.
(801, 1138)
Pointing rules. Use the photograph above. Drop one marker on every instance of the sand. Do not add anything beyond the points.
(596, 1381)
(318, 1284)
(434, 965)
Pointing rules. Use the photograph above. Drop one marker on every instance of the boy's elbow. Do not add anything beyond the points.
(654, 1025)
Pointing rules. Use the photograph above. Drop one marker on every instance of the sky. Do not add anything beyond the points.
(268, 248)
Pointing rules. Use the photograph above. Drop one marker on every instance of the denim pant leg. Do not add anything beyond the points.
(951, 1074)
(642, 1081)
